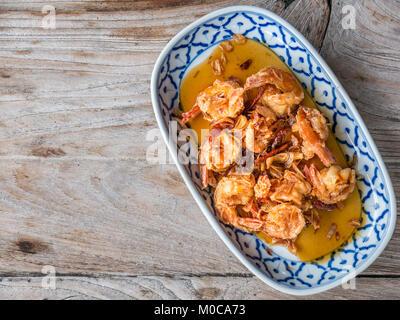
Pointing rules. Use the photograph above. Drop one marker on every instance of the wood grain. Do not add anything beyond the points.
(75, 189)
(367, 62)
(91, 217)
(75, 112)
(183, 287)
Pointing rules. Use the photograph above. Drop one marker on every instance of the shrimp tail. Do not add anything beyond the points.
(207, 177)
(229, 215)
(314, 176)
(255, 100)
(325, 155)
(204, 176)
(251, 224)
(191, 114)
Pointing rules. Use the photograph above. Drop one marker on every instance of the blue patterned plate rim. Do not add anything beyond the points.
(191, 186)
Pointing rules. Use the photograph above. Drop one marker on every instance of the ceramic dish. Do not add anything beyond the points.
(277, 267)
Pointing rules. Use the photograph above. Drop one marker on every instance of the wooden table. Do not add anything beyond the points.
(75, 190)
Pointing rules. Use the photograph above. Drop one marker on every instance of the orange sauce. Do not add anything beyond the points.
(310, 244)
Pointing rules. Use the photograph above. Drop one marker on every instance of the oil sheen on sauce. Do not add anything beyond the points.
(310, 244)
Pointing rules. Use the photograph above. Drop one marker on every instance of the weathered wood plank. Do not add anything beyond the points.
(183, 287)
(96, 217)
(99, 217)
(81, 78)
(367, 62)
(75, 189)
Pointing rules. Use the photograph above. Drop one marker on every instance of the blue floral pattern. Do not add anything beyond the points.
(289, 271)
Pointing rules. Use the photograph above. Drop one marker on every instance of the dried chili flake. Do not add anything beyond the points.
(245, 65)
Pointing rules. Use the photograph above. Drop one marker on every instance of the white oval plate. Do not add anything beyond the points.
(277, 267)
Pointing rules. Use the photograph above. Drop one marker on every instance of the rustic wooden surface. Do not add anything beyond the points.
(75, 189)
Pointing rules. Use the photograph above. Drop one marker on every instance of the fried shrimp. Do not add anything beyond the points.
(313, 129)
(218, 152)
(285, 158)
(292, 188)
(333, 184)
(233, 191)
(258, 132)
(282, 90)
(284, 221)
(262, 187)
(265, 159)
(224, 99)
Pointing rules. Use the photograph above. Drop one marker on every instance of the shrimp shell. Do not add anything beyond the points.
(293, 188)
(224, 99)
(231, 192)
(258, 132)
(284, 221)
(282, 90)
(333, 184)
(219, 152)
(262, 187)
(312, 127)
